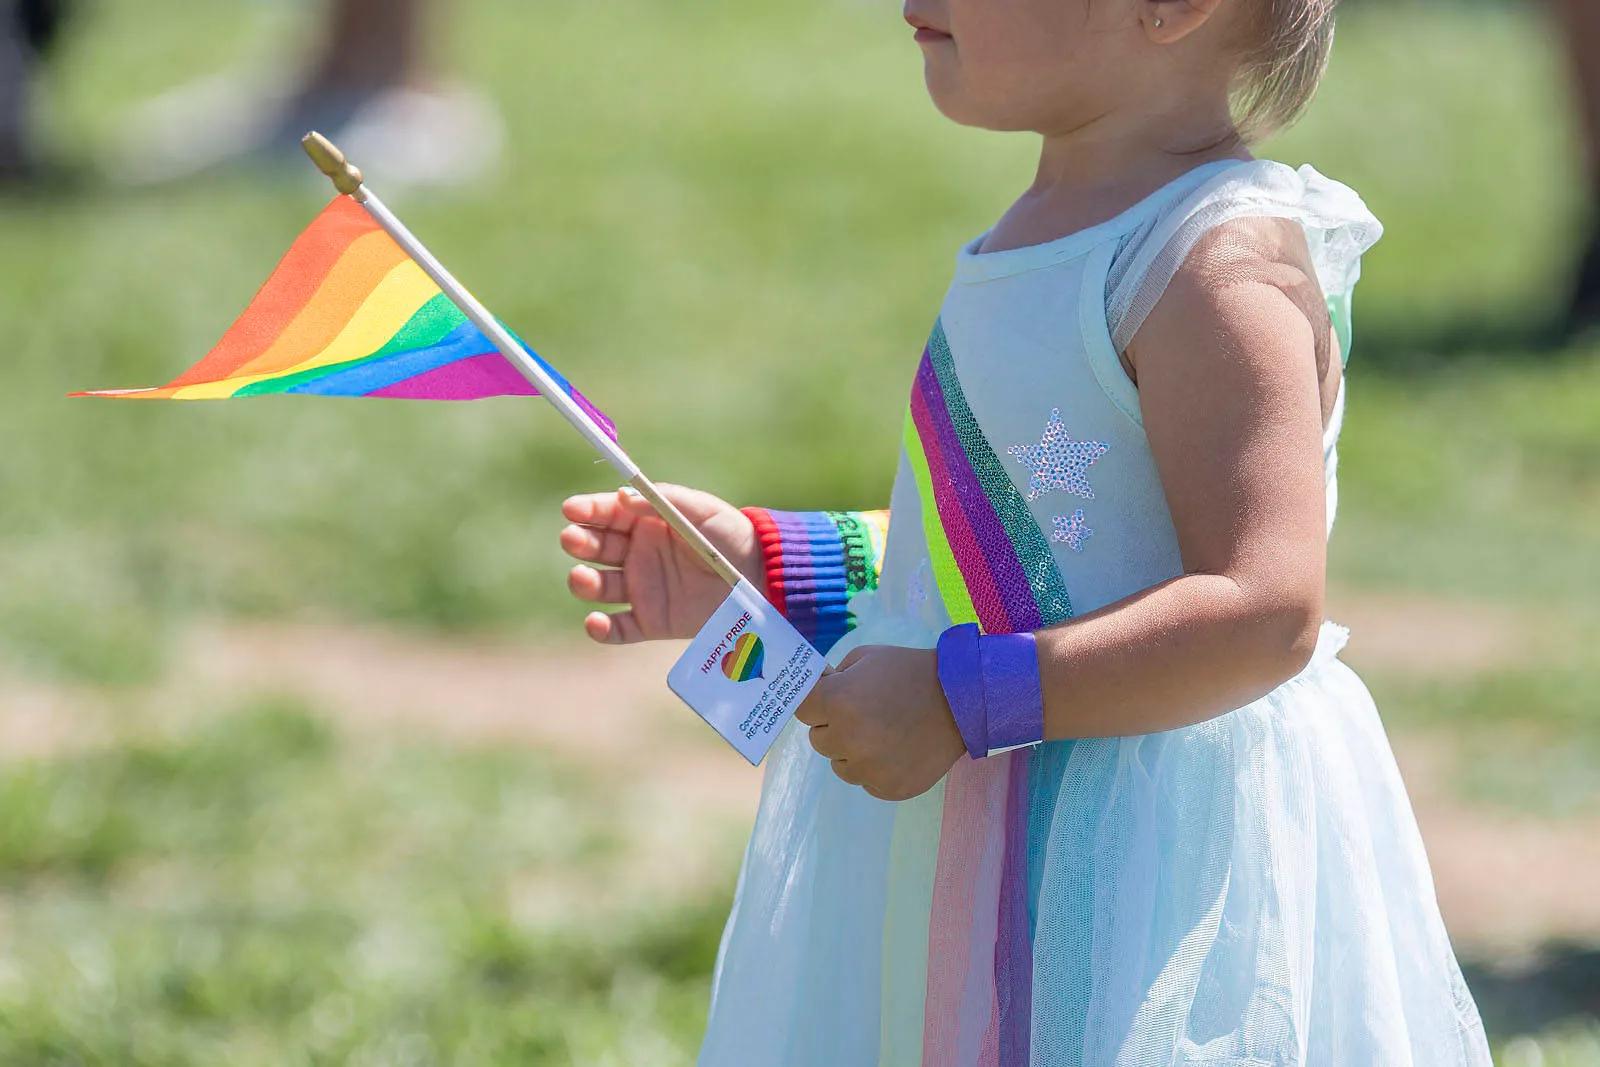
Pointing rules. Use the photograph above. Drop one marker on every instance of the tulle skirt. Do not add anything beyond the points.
(1248, 891)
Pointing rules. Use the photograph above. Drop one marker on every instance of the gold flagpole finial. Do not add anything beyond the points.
(346, 176)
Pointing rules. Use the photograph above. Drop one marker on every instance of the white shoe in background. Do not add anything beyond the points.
(437, 136)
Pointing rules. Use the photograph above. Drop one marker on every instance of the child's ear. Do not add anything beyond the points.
(1166, 21)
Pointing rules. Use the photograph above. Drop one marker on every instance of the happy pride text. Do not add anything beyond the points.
(715, 657)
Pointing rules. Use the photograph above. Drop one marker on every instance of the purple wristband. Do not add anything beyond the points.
(1012, 699)
(961, 676)
(992, 684)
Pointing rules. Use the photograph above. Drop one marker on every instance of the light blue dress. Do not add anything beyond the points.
(1251, 890)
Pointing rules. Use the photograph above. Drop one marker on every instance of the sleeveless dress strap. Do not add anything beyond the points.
(1338, 227)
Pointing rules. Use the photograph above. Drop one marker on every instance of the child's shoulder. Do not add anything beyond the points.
(1240, 268)
(1254, 223)
(1267, 203)
(1330, 214)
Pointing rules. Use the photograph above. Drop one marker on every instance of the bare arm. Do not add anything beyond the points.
(1231, 368)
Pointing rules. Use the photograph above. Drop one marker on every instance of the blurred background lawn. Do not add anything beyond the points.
(299, 761)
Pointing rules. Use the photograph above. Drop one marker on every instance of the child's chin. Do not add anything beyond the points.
(959, 107)
(952, 103)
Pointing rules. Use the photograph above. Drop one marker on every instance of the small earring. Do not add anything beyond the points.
(1159, 23)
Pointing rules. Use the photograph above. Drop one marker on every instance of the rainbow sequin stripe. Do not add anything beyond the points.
(992, 563)
(816, 561)
(959, 863)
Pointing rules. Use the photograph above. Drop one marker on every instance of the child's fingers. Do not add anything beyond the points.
(823, 740)
(600, 587)
(582, 508)
(813, 710)
(602, 510)
(621, 628)
(851, 657)
(594, 545)
(697, 506)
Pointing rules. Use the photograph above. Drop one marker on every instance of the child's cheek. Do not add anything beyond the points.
(970, 79)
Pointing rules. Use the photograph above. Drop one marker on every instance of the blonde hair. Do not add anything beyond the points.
(1283, 64)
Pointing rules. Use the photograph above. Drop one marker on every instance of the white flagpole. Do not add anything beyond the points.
(347, 179)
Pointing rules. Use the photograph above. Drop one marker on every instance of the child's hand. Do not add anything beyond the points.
(671, 592)
(884, 722)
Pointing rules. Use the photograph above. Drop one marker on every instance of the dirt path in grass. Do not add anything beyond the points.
(1506, 880)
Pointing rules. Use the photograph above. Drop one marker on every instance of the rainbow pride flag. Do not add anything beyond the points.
(347, 313)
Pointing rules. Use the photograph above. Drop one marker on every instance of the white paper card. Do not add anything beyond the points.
(746, 671)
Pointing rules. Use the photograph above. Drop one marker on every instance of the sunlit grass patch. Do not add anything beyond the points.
(258, 888)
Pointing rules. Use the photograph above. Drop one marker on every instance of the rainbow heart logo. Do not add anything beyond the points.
(744, 662)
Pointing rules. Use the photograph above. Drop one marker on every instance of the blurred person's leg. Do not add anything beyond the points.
(27, 27)
(371, 45)
(1580, 26)
(16, 78)
(371, 84)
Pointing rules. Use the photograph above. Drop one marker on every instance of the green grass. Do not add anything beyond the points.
(731, 224)
(1477, 480)
(1525, 739)
(256, 889)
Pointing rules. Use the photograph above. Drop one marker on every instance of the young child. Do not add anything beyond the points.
(1119, 464)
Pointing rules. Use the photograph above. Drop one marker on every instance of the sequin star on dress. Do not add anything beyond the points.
(1246, 892)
